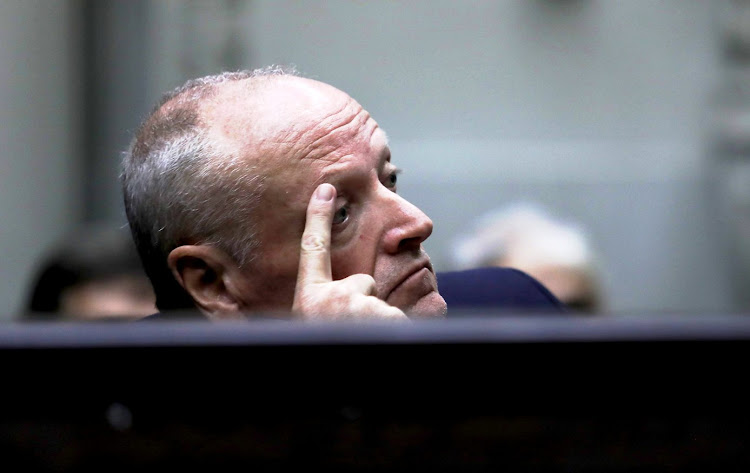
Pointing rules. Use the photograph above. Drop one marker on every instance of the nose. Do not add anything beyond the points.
(407, 227)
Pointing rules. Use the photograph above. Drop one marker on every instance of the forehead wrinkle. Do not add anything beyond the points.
(296, 134)
(355, 122)
(332, 170)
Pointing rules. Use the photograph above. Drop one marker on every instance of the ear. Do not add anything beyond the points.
(208, 274)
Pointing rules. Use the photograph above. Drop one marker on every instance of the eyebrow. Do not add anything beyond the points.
(385, 154)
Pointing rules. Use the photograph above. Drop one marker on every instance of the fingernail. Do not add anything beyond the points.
(324, 192)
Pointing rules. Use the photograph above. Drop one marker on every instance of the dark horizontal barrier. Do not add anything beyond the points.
(531, 393)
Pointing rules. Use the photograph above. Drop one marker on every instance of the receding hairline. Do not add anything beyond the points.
(260, 90)
(258, 111)
(195, 99)
(203, 97)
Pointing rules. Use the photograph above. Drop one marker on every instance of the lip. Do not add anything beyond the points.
(414, 269)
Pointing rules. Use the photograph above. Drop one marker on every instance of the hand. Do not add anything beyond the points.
(317, 296)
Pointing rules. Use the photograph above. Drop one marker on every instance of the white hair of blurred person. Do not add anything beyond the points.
(525, 237)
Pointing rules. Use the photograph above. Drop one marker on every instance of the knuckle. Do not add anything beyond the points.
(313, 242)
(398, 314)
(381, 308)
(361, 283)
(337, 290)
(364, 279)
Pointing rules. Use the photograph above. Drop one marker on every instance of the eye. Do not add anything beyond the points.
(341, 215)
(392, 179)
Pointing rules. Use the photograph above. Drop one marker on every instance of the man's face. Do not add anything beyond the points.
(313, 133)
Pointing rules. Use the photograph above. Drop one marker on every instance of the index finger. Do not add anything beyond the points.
(315, 248)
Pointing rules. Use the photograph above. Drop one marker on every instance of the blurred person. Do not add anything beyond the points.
(94, 273)
(525, 237)
(265, 193)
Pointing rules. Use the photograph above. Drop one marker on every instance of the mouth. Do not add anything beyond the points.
(414, 277)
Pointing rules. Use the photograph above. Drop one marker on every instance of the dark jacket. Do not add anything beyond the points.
(494, 289)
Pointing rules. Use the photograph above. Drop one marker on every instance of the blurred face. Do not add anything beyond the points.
(573, 286)
(330, 138)
(122, 297)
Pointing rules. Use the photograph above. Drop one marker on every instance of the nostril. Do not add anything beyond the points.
(410, 244)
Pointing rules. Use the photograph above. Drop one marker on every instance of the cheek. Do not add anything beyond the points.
(271, 283)
(275, 268)
(358, 255)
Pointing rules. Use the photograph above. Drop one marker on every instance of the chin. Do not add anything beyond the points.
(429, 306)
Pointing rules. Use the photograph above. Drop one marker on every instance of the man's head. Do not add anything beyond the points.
(217, 183)
(557, 253)
(93, 273)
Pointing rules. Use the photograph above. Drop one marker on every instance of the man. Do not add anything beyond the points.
(265, 192)
(557, 253)
(93, 273)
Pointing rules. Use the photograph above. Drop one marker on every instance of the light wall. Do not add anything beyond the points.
(597, 109)
(40, 175)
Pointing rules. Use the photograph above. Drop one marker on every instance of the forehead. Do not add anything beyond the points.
(272, 110)
(294, 125)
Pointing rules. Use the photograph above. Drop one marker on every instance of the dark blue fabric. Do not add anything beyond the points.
(495, 289)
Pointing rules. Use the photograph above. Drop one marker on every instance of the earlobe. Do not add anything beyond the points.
(203, 271)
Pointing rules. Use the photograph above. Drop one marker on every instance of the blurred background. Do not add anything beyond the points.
(629, 118)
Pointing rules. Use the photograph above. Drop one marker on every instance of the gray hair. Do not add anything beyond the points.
(182, 186)
(524, 232)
